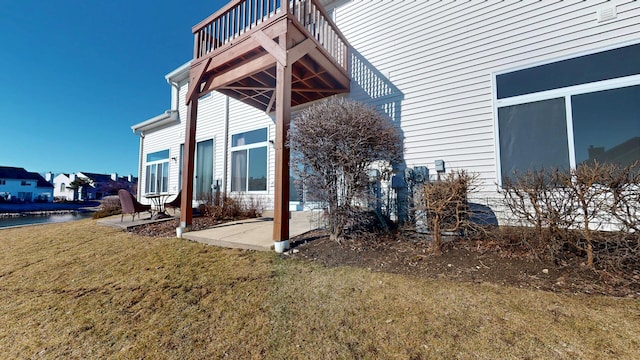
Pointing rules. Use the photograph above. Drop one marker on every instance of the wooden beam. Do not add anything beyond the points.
(300, 50)
(271, 101)
(196, 75)
(244, 44)
(186, 211)
(283, 117)
(323, 59)
(234, 74)
(270, 46)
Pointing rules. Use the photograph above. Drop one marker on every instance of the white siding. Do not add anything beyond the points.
(430, 66)
(439, 58)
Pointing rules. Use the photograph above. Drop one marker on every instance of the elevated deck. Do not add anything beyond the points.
(237, 48)
(270, 54)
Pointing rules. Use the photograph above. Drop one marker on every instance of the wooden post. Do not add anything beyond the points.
(283, 117)
(186, 211)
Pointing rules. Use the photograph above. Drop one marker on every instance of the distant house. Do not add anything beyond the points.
(19, 185)
(99, 185)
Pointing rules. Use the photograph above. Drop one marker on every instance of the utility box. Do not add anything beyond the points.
(439, 166)
(421, 174)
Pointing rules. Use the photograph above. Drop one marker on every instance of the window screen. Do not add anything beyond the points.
(533, 136)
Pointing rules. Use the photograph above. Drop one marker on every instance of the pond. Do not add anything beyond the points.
(42, 219)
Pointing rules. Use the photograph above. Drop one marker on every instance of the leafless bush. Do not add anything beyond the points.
(540, 199)
(569, 210)
(222, 206)
(444, 205)
(625, 187)
(334, 144)
(588, 190)
(110, 205)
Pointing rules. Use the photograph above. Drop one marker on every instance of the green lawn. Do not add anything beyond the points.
(78, 290)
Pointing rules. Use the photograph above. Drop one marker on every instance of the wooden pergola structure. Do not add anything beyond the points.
(270, 54)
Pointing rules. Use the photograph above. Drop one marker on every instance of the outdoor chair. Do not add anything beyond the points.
(175, 203)
(130, 205)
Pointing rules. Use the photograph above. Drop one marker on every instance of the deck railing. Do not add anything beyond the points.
(240, 16)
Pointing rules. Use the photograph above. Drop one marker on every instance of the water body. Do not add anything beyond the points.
(42, 219)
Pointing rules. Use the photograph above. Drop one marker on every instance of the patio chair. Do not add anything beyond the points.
(175, 203)
(130, 205)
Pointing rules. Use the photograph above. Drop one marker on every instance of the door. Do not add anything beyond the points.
(204, 170)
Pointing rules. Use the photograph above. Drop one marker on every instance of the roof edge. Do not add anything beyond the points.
(169, 117)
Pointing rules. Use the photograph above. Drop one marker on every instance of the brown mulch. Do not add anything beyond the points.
(462, 260)
(168, 228)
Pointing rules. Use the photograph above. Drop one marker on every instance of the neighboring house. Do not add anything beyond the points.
(492, 87)
(99, 185)
(19, 185)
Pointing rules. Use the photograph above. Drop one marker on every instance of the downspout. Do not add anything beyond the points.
(226, 145)
(140, 158)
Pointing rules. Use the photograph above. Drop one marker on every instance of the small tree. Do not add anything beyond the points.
(79, 184)
(335, 143)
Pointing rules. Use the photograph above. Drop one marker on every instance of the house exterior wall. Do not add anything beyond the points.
(213, 112)
(431, 67)
(434, 64)
(60, 183)
(24, 190)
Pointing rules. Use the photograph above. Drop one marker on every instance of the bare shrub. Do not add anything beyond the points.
(110, 205)
(334, 144)
(222, 206)
(540, 199)
(587, 185)
(444, 204)
(592, 210)
(625, 187)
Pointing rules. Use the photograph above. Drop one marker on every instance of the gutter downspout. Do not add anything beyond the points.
(226, 145)
(140, 155)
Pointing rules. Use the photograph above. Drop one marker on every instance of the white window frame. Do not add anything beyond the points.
(566, 93)
(158, 183)
(246, 148)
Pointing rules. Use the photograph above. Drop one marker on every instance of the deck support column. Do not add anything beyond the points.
(186, 211)
(283, 118)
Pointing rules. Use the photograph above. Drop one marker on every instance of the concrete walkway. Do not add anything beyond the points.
(254, 234)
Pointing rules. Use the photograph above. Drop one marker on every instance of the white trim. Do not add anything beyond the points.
(570, 140)
(246, 148)
(179, 74)
(169, 117)
(566, 93)
(567, 57)
(616, 83)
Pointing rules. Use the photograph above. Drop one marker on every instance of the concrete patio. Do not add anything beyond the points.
(254, 234)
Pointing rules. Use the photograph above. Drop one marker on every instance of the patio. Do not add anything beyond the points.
(253, 234)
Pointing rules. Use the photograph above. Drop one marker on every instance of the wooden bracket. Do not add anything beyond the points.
(271, 46)
(195, 77)
(302, 49)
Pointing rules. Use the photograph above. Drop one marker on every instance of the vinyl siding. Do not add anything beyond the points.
(429, 65)
(440, 57)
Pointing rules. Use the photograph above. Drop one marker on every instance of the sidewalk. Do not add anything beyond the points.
(254, 234)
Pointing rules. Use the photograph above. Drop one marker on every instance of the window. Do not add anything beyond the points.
(249, 161)
(157, 172)
(25, 183)
(562, 114)
(63, 187)
(3, 182)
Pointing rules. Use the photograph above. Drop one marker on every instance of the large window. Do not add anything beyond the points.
(157, 171)
(249, 161)
(566, 113)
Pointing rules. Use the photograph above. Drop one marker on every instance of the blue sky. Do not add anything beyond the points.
(76, 74)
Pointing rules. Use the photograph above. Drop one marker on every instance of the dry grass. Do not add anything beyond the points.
(76, 290)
